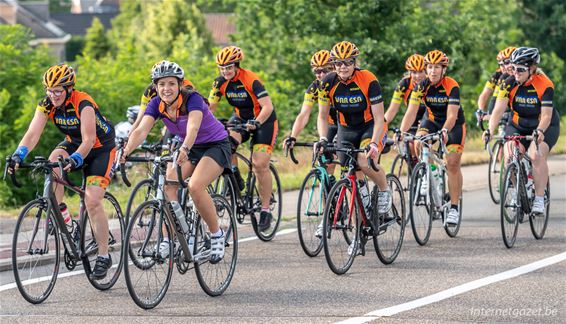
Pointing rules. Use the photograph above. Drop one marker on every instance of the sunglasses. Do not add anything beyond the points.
(320, 71)
(520, 69)
(54, 93)
(504, 62)
(348, 62)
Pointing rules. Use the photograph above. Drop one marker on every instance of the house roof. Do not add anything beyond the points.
(221, 25)
(40, 27)
(77, 24)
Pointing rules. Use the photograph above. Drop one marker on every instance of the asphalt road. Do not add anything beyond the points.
(471, 278)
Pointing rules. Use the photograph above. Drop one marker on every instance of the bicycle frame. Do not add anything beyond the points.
(436, 156)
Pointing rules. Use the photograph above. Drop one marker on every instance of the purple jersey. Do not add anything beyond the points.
(211, 130)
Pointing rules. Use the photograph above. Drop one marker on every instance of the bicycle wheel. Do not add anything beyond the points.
(310, 210)
(494, 169)
(419, 209)
(145, 190)
(539, 223)
(149, 275)
(274, 204)
(401, 170)
(224, 186)
(453, 230)
(214, 279)
(340, 228)
(390, 227)
(35, 252)
(510, 205)
(89, 247)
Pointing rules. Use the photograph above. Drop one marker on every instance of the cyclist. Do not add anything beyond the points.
(205, 145)
(492, 86)
(320, 67)
(149, 93)
(415, 74)
(356, 95)
(530, 93)
(88, 145)
(441, 96)
(245, 92)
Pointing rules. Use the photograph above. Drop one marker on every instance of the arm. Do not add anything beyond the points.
(498, 110)
(35, 129)
(484, 97)
(143, 106)
(266, 109)
(391, 111)
(88, 130)
(301, 121)
(193, 125)
(410, 115)
(322, 121)
(139, 134)
(451, 117)
(212, 106)
(377, 112)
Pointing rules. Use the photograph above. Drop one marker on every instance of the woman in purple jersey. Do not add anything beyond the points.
(205, 146)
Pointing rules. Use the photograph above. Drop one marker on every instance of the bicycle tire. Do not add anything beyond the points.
(538, 224)
(46, 228)
(337, 236)
(452, 231)
(134, 201)
(214, 279)
(494, 172)
(389, 237)
(89, 247)
(401, 169)
(510, 210)
(419, 206)
(307, 225)
(275, 205)
(151, 215)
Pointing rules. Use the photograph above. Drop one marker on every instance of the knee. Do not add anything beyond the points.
(260, 165)
(92, 201)
(196, 189)
(453, 165)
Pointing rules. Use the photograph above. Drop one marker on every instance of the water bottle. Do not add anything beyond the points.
(366, 201)
(435, 175)
(180, 215)
(66, 216)
(530, 186)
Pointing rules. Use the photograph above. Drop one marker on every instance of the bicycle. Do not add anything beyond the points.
(346, 219)
(517, 195)
(312, 199)
(403, 165)
(148, 276)
(434, 202)
(40, 228)
(495, 165)
(248, 202)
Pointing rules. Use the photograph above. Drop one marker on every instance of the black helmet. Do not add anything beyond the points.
(167, 69)
(525, 56)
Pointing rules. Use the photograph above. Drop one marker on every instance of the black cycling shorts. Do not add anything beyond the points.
(219, 151)
(360, 137)
(264, 138)
(456, 136)
(550, 135)
(98, 166)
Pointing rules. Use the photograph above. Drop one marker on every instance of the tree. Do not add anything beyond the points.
(97, 44)
(21, 68)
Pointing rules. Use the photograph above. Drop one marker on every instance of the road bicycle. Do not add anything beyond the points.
(517, 194)
(403, 164)
(428, 198)
(347, 225)
(312, 198)
(148, 274)
(246, 201)
(36, 247)
(495, 165)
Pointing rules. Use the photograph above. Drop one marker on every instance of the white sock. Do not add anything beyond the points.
(217, 234)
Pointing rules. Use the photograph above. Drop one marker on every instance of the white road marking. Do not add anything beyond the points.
(448, 293)
(78, 272)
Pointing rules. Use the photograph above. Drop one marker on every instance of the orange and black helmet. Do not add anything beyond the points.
(436, 57)
(320, 58)
(415, 63)
(505, 54)
(59, 75)
(344, 50)
(229, 55)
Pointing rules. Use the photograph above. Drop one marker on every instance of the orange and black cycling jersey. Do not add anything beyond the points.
(68, 118)
(353, 98)
(437, 98)
(493, 80)
(151, 91)
(242, 93)
(311, 97)
(403, 92)
(527, 101)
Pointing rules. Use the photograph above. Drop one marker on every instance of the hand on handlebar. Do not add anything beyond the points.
(320, 145)
(253, 124)
(372, 151)
(289, 142)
